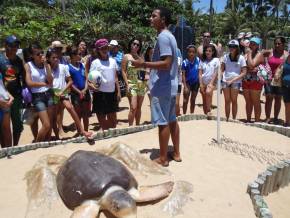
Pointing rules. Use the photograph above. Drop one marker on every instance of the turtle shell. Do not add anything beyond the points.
(87, 175)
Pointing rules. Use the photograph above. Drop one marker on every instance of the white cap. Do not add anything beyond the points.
(249, 35)
(241, 35)
(234, 42)
(114, 43)
(57, 44)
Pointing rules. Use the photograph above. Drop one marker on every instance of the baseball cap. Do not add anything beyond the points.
(233, 43)
(12, 40)
(57, 44)
(241, 35)
(101, 43)
(114, 43)
(256, 40)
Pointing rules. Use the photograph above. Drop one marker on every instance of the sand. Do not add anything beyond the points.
(219, 175)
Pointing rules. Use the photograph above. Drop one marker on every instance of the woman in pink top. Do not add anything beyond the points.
(276, 58)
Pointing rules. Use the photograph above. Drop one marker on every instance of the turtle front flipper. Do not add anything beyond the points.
(154, 192)
(88, 209)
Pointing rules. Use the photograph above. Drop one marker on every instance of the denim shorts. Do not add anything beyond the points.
(42, 100)
(163, 110)
(232, 86)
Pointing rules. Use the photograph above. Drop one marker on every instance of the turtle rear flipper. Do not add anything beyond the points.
(88, 209)
(154, 192)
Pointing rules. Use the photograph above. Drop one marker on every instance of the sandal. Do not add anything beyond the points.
(160, 162)
(173, 157)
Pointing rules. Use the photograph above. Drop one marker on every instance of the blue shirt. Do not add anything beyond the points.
(286, 74)
(191, 70)
(78, 76)
(118, 57)
(164, 82)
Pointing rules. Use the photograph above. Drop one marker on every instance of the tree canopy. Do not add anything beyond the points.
(73, 20)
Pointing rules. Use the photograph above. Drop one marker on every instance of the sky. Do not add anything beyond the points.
(218, 5)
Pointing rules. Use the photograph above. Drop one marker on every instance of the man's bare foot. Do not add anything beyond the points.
(161, 162)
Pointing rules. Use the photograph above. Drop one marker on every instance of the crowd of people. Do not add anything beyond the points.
(57, 78)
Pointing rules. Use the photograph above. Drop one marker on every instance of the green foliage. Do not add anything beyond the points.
(35, 20)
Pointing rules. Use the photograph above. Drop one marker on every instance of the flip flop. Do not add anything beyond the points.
(162, 163)
(171, 155)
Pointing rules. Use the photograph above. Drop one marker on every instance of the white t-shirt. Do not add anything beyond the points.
(3, 92)
(233, 68)
(209, 68)
(59, 75)
(108, 69)
(37, 75)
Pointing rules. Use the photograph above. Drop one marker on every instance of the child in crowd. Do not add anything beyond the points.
(234, 68)
(61, 85)
(208, 70)
(190, 78)
(107, 96)
(80, 95)
(39, 79)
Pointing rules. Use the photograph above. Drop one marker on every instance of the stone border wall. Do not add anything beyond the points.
(6, 152)
(275, 177)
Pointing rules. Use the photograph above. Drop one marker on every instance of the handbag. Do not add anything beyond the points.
(264, 73)
(122, 85)
(26, 95)
(278, 73)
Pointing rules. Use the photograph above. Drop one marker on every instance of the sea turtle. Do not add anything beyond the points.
(90, 181)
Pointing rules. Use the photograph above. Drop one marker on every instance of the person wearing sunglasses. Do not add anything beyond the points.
(135, 81)
(206, 38)
(234, 68)
(12, 68)
(39, 79)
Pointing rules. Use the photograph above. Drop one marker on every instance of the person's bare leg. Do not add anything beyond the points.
(203, 95)
(54, 118)
(102, 121)
(86, 106)
(6, 135)
(209, 93)
(287, 114)
(34, 128)
(255, 96)
(112, 120)
(185, 101)
(268, 107)
(234, 100)
(277, 106)
(164, 134)
(59, 119)
(75, 117)
(139, 109)
(175, 137)
(249, 105)
(133, 108)
(192, 101)
(227, 96)
(50, 112)
(45, 128)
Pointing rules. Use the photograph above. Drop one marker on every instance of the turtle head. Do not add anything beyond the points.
(120, 204)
